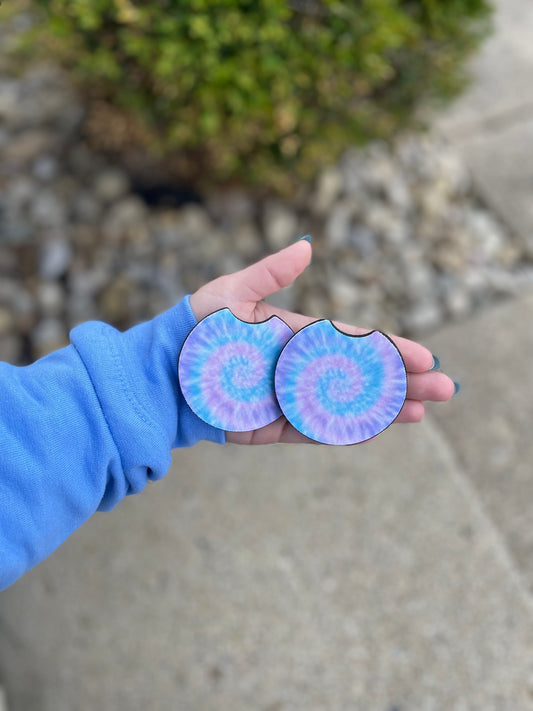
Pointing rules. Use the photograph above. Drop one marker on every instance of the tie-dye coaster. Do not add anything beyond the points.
(340, 389)
(226, 370)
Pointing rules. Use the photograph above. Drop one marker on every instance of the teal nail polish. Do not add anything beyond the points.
(457, 387)
(307, 238)
(436, 363)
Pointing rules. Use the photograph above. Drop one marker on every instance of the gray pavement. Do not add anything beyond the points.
(500, 91)
(492, 436)
(503, 171)
(394, 576)
(492, 123)
(311, 578)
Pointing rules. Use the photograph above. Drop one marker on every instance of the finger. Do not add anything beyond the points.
(417, 358)
(430, 386)
(271, 273)
(412, 411)
(279, 431)
(283, 432)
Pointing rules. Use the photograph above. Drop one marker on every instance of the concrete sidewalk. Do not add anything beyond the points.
(395, 576)
(492, 124)
(311, 578)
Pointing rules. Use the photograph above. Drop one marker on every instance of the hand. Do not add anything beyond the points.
(243, 293)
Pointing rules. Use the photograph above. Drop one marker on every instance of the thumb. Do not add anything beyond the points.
(271, 273)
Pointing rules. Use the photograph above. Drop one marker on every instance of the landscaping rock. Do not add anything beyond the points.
(400, 238)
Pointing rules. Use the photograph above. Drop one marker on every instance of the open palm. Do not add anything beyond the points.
(243, 293)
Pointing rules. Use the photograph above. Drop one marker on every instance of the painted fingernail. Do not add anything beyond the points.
(307, 238)
(457, 387)
(436, 363)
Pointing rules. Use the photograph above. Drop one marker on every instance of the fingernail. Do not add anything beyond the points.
(436, 363)
(307, 238)
(457, 387)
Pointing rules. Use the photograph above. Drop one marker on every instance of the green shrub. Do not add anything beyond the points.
(263, 91)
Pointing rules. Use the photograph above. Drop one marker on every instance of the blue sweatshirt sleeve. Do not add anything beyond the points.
(85, 426)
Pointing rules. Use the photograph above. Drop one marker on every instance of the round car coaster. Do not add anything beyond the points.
(226, 370)
(340, 389)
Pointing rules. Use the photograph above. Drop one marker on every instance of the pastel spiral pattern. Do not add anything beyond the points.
(226, 370)
(340, 389)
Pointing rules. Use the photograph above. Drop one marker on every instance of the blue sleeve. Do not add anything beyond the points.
(85, 426)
